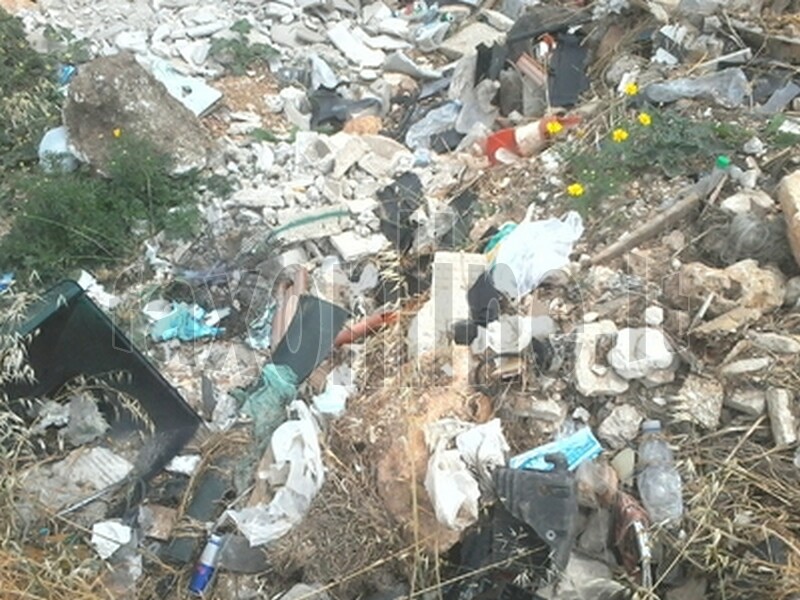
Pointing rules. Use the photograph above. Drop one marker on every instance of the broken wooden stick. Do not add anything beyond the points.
(661, 222)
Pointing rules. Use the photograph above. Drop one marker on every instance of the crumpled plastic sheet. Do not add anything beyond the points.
(267, 404)
(577, 448)
(532, 250)
(450, 480)
(295, 444)
(185, 323)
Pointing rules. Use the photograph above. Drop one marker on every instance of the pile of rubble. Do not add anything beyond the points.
(398, 363)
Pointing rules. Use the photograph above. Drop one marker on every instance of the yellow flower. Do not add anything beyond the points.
(553, 127)
(645, 119)
(619, 135)
(575, 190)
(631, 89)
(117, 132)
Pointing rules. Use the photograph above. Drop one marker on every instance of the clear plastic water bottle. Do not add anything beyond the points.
(659, 483)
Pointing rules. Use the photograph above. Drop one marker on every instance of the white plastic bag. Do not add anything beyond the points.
(532, 250)
(295, 445)
(452, 489)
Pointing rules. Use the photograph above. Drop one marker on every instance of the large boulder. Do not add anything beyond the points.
(116, 93)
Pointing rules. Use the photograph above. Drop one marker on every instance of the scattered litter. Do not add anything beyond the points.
(297, 469)
(576, 448)
(110, 536)
(521, 265)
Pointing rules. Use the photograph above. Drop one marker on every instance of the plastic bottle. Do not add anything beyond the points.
(659, 482)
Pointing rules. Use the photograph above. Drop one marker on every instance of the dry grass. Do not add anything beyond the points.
(741, 495)
(49, 562)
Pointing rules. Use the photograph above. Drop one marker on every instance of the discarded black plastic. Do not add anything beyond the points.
(567, 79)
(464, 332)
(445, 142)
(512, 548)
(206, 504)
(484, 300)
(329, 108)
(76, 338)
(398, 201)
(490, 61)
(541, 19)
(238, 556)
(309, 339)
(545, 500)
(458, 236)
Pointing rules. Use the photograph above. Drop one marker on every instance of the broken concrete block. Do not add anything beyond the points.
(775, 342)
(466, 40)
(781, 417)
(701, 400)
(453, 274)
(117, 93)
(157, 521)
(621, 426)
(742, 285)
(748, 402)
(592, 379)
(551, 411)
(746, 201)
(640, 352)
(352, 247)
(354, 49)
(747, 365)
(332, 221)
(728, 322)
(789, 198)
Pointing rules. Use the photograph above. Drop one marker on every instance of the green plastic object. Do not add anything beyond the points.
(73, 337)
(723, 161)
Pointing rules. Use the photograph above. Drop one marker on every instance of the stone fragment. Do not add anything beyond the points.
(654, 316)
(640, 352)
(592, 379)
(781, 417)
(792, 295)
(742, 285)
(467, 39)
(747, 365)
(621, 426)
(352, 247)
(115, 93)
(746, 201)
(789, 198)
(551, 411)
(701, 400)
(748, 402)
(775, 342)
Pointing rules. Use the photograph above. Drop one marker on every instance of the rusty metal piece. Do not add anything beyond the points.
(630, 535)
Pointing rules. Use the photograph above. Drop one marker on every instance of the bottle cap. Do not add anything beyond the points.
(651, 425)
(723, 161)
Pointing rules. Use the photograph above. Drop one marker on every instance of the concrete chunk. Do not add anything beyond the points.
(748, 402)
(781, 418)
(592, 379)
(467, 40)
(747, 365)
(789, 198)
(702, 398)
(774, 342)
(453, 275)
(621, 426)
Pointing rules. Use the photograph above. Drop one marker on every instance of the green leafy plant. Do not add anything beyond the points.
(29, 100)
(73, 220)
(237, 54)
(651, 142)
